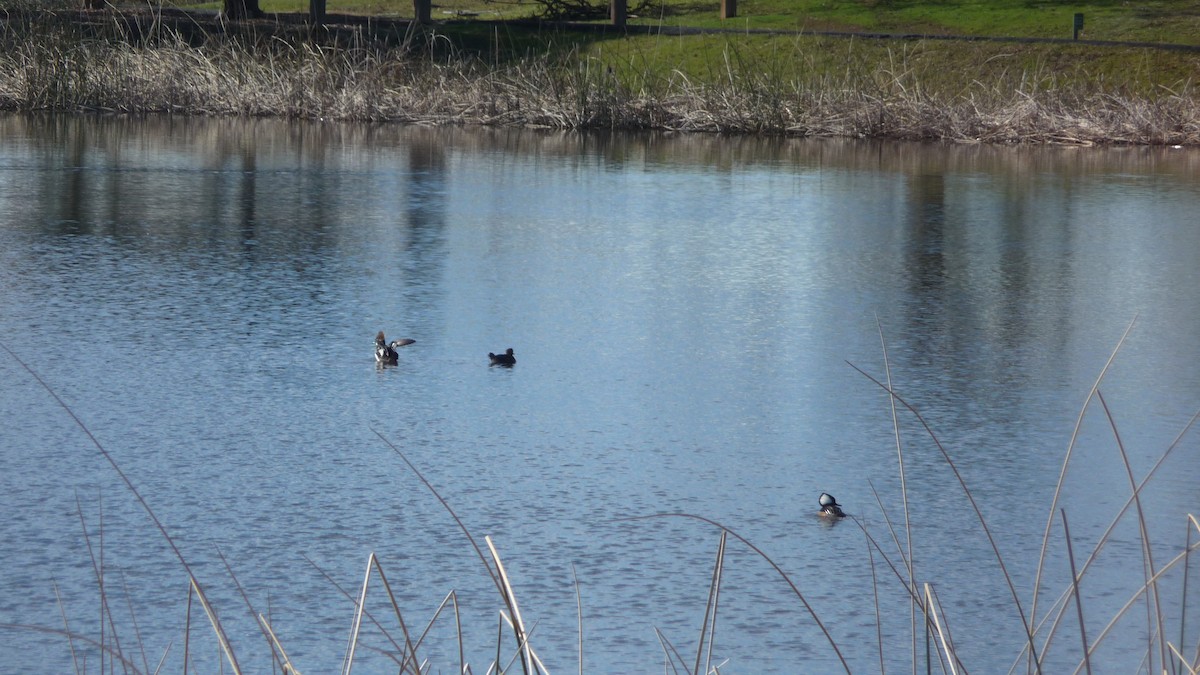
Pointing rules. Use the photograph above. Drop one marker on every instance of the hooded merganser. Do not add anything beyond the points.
(385, 352)
(829, 507)
(505, 359)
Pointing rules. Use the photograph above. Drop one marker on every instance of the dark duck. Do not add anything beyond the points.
(829, 507)
(505, 359)
(385, 352)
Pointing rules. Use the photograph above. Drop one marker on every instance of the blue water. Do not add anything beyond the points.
(686, 314)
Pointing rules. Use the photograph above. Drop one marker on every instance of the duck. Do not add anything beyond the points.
(829, 507)
(505, 359)
(385, 352)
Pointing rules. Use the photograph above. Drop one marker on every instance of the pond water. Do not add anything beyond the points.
(688, 313)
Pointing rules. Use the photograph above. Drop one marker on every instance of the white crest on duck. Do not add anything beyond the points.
(829, 506)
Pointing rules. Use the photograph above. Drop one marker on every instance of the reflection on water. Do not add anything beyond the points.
(204, 295)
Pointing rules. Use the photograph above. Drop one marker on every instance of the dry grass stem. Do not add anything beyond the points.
(463, 668)
(66, 627)
(908, 533)
(284, 660)
(1182, 556)
(352, 642)
(137, 632)
(528, 659)
(450, 599)
(708, 629)
(578, 614)
(271, 642)
(895, 540)
(222, 639)
(446, 505)
(974, 505)
(1183, 610)
(1059, 607)
(878, 615)
(1075, 591)
(1062, 473)
(933, 609)
(779, 570)
(116, 656)
(425, 80)
(1154, 607)
(923, 598)
(366, 613)
(1190, 668)
(411, 650)
(672, 655)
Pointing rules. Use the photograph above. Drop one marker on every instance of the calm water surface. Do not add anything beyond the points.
(685, 312)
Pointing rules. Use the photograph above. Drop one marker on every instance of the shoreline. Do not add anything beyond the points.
(394, 71)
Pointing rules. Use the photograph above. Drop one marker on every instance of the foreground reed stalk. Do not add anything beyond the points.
(53, 66)
(194, 585)
(923, 594)
(1170, 656)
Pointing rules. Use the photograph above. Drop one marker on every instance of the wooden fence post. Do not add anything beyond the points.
(423, 10)
(728, 9)
(618, 10)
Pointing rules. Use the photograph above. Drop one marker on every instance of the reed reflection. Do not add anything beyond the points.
(425, 209)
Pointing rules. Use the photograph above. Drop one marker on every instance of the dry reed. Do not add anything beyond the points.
(1156, 624)
(60, 67)
(928, 607)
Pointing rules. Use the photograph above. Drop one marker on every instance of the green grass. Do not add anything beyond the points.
(938, 66)
(530, 74)
(1168, 21)
(943, 66)
(947, 68)
(507, 74)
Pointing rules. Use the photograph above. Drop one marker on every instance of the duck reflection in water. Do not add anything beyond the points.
(385, 352)
(507, 359)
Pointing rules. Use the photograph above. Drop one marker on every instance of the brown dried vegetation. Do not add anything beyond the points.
(421, 78)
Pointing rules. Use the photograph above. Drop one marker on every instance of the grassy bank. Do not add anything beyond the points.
(1166, 21)
(500, 73)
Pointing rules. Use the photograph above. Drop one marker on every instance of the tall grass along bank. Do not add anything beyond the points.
(793, 85)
